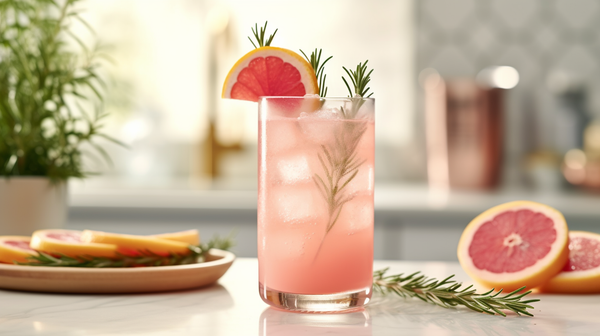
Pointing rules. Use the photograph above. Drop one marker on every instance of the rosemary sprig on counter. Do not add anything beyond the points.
(319, 68)
(447, 293)
(146, 258)
(260, 36)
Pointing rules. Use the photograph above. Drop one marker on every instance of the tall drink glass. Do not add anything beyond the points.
(315, 202)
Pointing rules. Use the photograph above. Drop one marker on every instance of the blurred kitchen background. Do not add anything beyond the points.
(479, 102)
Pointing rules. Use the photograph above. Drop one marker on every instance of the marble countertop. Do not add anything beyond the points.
(233, 307)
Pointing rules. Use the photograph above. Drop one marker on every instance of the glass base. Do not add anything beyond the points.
(316, 303)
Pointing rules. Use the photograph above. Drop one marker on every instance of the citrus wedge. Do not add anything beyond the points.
(191, 237)
(514, 244)
(69, 243)
(270, 71)
(132, 245)
(15, 249)
(581, 273)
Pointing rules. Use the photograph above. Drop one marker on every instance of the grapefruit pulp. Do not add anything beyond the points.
(15, 249)
(69, 243)
(515, 244)
(581, 273)
(270, 71)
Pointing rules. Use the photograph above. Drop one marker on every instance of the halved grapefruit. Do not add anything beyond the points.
(132, 245)
(69, 243)
(15, 249)
(191, 237)
(514, 244)
(581, 273)
(270, 71)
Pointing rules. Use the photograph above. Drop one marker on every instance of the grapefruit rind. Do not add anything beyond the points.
(11, 254)
(575, 282)
(131, 244)
(307, 74)
(532, 276)
(190, 237)
(40, 241)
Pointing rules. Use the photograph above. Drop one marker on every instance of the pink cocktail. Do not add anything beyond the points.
(315, 202)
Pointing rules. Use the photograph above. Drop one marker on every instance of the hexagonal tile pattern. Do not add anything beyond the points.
(448, 14)
(537, 37)
(516, 14)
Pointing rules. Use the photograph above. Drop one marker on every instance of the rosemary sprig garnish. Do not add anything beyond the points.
(360, 79)
(145, 258)
(319, 68)
(260, 36)
(447, 293)
(340, 161)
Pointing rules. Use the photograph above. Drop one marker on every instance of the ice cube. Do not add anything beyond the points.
(322, 126)
(362, 183)
(282, 136)
(356, 215)
(296, 205)
(292, 169)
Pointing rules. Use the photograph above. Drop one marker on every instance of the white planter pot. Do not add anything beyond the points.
(31, 203)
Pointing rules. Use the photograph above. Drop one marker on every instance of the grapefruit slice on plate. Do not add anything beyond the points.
(132, 245)
(270, 71)
(15, 249)
(514, 244)
(581, 273)
(69, 243)
(191, 237)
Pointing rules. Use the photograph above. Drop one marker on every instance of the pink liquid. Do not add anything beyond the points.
(296, 254)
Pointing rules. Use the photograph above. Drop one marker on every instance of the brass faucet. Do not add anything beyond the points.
(213, 151)
(219, 43)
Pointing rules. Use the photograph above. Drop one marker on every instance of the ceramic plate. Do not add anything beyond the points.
(116, 280)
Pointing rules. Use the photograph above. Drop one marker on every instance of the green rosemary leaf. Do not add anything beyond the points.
(259, 35)
(360, 78)
(319, 68)
(447, 293)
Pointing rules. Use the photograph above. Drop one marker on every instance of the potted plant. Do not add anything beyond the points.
(51, 95)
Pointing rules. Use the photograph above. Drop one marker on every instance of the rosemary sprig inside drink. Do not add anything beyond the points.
(340, 166)
(339, 160)
(448, 293)
(145, 258)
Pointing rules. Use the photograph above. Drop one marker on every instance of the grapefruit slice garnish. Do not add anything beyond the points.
(191, 237)
(270, 71)
(581, 273)
(15, 249)
(514, 244)
(133, 245)
(69, 243)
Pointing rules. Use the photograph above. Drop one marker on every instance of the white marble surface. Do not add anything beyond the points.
(234, 308)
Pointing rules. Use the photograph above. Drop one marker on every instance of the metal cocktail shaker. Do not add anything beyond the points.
(464, 132)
